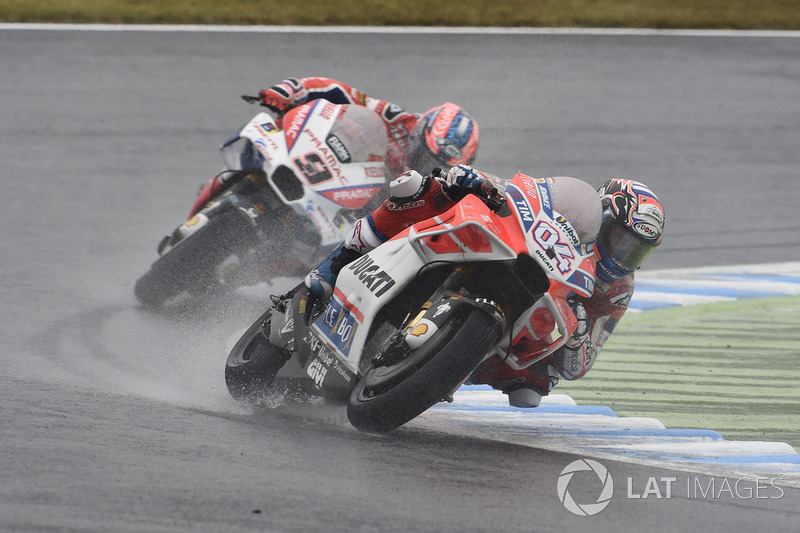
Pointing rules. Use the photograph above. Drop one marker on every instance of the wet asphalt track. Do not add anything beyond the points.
(115, 419)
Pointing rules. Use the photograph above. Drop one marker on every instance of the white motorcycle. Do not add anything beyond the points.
(410, 321)
(304, 185)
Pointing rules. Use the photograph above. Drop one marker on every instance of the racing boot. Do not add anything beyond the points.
(321, 280)
(524, 388)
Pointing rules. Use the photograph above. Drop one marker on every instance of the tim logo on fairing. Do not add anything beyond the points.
(523, 207)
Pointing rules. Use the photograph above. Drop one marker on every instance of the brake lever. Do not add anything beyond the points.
(495, 201)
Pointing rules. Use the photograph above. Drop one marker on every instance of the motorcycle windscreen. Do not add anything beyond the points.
(358, 136)
(241, 154)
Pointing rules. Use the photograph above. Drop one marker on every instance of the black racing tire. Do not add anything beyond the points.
(190, 266)
(388, 397)
(253, 363)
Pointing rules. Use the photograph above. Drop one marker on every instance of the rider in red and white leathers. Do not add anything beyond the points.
(441, 137)
(630, 228)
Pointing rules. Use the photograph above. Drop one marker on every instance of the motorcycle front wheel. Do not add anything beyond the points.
(253, 363)
(191, 265)
(387, 397)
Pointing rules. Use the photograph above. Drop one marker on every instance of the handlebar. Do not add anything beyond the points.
(257, 100)
(439, 173)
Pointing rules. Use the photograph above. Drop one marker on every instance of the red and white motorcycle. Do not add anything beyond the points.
(306, 183)
(409, 322)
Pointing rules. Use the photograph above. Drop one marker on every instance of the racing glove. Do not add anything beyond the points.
(465, 177)
(283, 96)
(581, 333)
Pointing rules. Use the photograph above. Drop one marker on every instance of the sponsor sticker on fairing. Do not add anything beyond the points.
(267, 128)
(297, 123)
(338, 147)
(523, 207)
(581, 279)
(421, 333)
(338, 325)
(544, 198)
(371, 275)
(549, 239)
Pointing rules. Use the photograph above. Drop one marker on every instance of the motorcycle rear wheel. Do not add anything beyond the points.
(253, 363)
(190, 266)
(388, 397)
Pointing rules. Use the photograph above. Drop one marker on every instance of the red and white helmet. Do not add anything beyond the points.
(444, 136)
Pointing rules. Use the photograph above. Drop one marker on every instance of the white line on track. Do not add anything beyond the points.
(459, 30)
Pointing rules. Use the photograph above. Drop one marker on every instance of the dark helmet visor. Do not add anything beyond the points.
(623, 248)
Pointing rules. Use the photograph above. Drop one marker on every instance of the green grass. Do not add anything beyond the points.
(737, 14)
(731, 367)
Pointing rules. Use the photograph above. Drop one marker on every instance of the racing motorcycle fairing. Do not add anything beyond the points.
(327, 159)
(286, 197)
(469, 233)
(549, 237)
